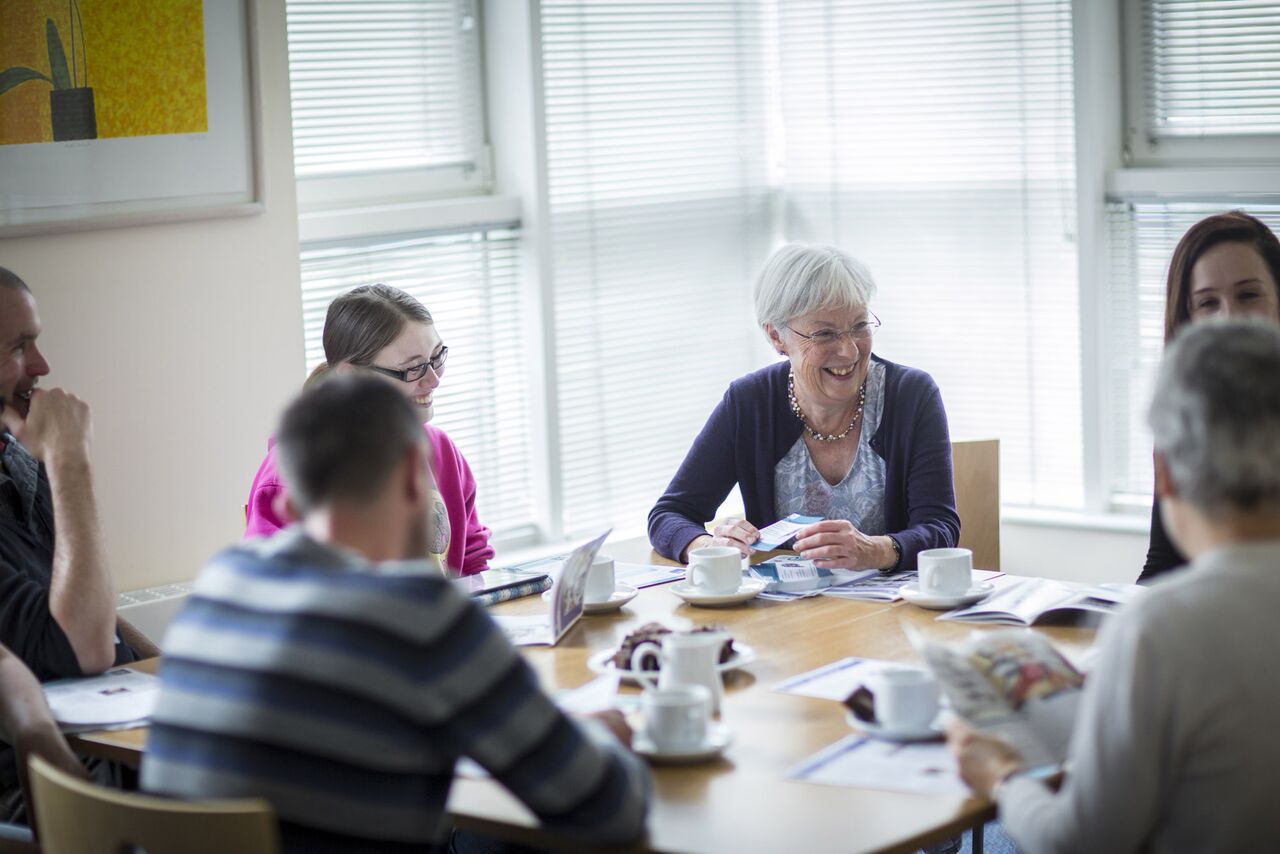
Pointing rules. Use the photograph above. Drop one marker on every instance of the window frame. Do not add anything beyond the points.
(337, 192)
(1141, 148)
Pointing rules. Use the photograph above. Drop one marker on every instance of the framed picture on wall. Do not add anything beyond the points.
(124, 113)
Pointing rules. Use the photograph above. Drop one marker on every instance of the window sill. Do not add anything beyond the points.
(1173, 184)
(436, 215)
(1118, 523)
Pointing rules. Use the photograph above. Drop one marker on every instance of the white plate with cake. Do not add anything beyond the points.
(605, 661)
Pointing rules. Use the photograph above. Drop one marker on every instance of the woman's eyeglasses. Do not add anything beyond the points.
(829, 337)
(417, 372)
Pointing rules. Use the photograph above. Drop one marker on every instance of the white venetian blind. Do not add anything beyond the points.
(1212, 67)
(656, 135)
(1143, 237)
(383, 85)
(935, 141)
(469, 283)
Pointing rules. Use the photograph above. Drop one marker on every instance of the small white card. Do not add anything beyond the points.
(775, 535)
(925, 769)
(834, 681)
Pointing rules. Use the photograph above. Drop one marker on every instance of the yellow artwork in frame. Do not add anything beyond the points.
(101, 69)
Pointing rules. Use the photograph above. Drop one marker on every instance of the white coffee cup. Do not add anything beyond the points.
(945, 572)
(600, 580)
(715, 570)
(676, 718)
(903, 698)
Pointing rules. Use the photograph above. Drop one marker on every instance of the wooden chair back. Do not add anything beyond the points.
(77, 817)
(975, 468)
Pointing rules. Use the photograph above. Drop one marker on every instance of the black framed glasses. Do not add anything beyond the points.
(416, 372)
(829, 337)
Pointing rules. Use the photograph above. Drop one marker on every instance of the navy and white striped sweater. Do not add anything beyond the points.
(344, 694)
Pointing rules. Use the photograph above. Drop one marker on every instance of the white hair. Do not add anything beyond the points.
(1215, 416)
(804, 277)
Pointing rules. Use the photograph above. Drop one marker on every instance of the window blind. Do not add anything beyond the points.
(934, 140)
(1142, 238)
(1212, 67)
(383, 85)
(656, 133)
(469, 282)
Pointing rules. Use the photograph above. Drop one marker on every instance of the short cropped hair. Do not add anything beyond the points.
(10, 279)
(1215, 416)
(804, 277)
(340, 441)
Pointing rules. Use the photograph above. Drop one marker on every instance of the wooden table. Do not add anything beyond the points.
(742, 802)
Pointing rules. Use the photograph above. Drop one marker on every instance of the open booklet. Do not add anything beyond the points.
(1012, 684)
(566, 602)
(1028, 601)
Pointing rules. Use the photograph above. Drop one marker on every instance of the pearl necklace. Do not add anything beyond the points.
(821, 437)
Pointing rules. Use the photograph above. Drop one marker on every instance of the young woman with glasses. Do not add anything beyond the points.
(385, 331)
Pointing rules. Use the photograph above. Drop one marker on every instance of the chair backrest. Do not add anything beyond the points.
(975, 468)
(76, 817)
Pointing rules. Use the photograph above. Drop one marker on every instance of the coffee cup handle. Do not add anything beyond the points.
(692, 574)
(637, 659)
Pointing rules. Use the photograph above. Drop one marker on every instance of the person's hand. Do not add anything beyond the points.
(57, 424)
(739, 534)
(44, 740)
(616, 723)
(984, 761)
(837, 544)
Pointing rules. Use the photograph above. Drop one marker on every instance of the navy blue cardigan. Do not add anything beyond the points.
(753, 428)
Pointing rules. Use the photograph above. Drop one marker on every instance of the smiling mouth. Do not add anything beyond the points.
(422, 400)
(840, 372)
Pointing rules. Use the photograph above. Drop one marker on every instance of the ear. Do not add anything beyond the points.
(1165, 487)
(284, 508)
(775, 339)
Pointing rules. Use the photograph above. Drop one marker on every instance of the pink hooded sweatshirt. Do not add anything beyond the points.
(468, 545)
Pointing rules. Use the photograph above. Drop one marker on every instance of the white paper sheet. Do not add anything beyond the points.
(116, 698)
(533, 630)
(636, 574)
(643, 575)
(834, 681)
(926, 769)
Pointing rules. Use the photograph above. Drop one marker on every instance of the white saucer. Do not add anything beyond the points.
(718, 738)
(622, 594)
(933, 732)
(751, 587)
(912, 593)
(602, 661)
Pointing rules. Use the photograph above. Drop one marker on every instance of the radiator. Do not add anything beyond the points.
(151, 608)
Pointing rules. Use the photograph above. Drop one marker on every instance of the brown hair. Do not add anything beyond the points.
(341, 440)
(1229, 227)
(10, 279)
(363, 321)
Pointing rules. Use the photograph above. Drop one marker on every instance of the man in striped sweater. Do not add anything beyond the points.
(330, 672)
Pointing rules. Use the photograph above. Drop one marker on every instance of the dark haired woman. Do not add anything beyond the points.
(1226, 265)
(383, 330)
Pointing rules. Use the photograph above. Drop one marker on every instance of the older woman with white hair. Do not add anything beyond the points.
(831, 431)
(1173, 747)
